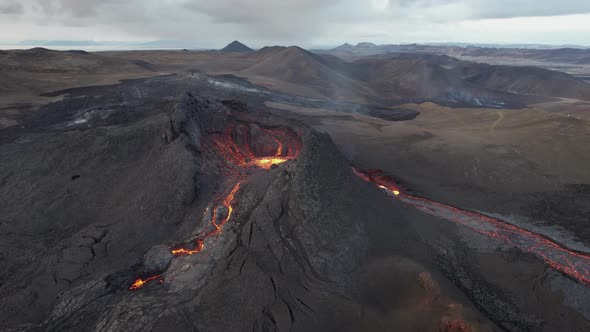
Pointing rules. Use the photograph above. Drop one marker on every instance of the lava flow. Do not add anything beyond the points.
(574, 264)
(141, 282)
(218, 226)
(240, 151)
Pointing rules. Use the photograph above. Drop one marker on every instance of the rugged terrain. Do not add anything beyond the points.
(207, 202)
(383, 81)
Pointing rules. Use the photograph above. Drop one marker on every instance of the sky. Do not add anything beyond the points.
(307, 23)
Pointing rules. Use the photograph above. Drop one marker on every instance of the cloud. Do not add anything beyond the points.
(252, 11)
(11, 8)
(528, 8)
(73, 8)
(275, 20)
(305, 22)
(450, 10)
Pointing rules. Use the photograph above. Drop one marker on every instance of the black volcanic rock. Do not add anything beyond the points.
(236, 46)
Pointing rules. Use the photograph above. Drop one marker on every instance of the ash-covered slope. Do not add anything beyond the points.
(528, 81)
(406, 76)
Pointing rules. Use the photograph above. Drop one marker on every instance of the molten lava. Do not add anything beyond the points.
(235, 147)
(242, 155)
(227, 202)
(141, 282)
(574, 264)
(377, 177)
(267, 163)
(183, 251)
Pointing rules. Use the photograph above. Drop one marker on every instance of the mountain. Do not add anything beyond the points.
(236, 46)
(323, 74)
(404, 76)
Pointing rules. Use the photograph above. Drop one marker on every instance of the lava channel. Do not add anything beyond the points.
(235, 147)
(573, 264)
(138, 283)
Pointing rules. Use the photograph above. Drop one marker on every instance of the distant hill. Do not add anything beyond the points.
(42, 60)
(413, 77)
(236, 46)
(443, 77)
(580, 56)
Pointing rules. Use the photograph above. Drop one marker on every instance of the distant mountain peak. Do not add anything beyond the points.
(236, 46)
(344, 47)
(365, 44)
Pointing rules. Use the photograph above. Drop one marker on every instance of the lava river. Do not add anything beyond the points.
(575, 265)
(239, 151)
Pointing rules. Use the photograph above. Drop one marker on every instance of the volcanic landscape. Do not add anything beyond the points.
(363, 188)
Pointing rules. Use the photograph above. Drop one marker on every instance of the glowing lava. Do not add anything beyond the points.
(218, 227)
(141, 282)
(377, 177)
(227, 202)
(241, 155)
(234, 146)
(184, 251)
(574, 264)
(267, 163)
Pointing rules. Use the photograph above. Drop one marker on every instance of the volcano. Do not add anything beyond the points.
(182, 202)
(236, 46)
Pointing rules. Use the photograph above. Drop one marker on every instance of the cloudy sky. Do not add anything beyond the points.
(308, 23)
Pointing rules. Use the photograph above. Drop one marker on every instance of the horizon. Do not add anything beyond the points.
(109, 45)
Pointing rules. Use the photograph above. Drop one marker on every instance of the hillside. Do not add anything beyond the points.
(409, 76)
(529, 80)
(298, 66)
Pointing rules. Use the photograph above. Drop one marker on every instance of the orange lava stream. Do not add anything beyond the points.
(237, 160)
(227, 202)
(184, 251)
(574, 264)
(141, 282)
